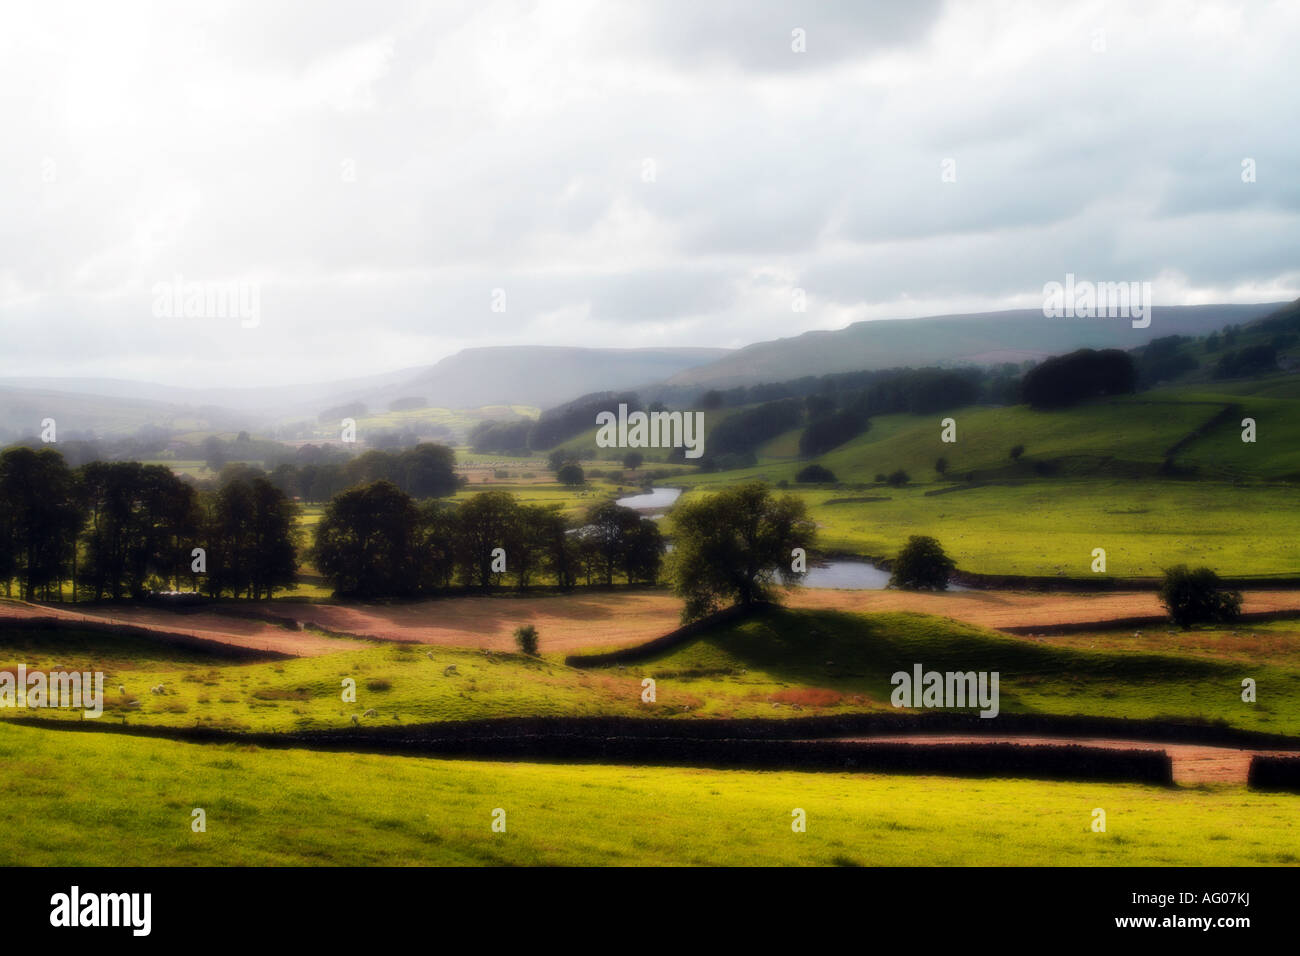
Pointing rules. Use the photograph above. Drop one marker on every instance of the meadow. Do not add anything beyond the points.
(101, 799)
(783, 664)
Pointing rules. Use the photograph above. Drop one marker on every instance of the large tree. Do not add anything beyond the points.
(733, 546)
(368, 542)
(484, 522)
(39, 520)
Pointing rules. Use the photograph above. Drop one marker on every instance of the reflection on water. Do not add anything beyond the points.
(850, 575)
(657, 498)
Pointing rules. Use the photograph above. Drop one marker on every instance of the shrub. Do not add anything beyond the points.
(941, 465)
(526, 639)
(899, 478)
(1198, 597)
(1017, 451)
(815, 474)
(922, 566)
(571, 475)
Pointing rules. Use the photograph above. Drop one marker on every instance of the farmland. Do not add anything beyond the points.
(301, 808)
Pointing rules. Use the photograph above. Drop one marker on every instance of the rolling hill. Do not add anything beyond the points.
(981, 339)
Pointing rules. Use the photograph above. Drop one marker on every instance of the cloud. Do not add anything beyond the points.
(631, 174)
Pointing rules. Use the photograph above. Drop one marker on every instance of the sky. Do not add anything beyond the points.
(343, 189)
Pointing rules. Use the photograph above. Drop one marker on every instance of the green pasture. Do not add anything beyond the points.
(101, 799)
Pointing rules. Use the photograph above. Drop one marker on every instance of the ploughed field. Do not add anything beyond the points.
(590, 620)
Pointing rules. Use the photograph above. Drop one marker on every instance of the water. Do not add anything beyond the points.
(850, 575)
(656, 499)
(846, 576)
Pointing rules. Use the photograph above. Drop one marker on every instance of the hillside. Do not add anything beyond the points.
(983, 338)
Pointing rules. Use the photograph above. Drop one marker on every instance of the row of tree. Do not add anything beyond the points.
(119, 529)
(378, 541)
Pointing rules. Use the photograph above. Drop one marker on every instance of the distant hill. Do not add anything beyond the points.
(542, 376)
(982, 339)
(535, 376)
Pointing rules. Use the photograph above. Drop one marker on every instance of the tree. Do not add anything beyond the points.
(427, 471)
(922, 565)
(632, 460)
(1198, 597)
(484, 522)
(831, 431)
(941, 465)
(898, 478)
(367, 542)
(526, 639)
(39, 519)
(559, 458)
(815, 475)
(1016, 452)
(733, 546)
(610, 530)
(1065, 380)
(571, 475)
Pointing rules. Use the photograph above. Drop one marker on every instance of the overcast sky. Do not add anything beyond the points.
(655, 174)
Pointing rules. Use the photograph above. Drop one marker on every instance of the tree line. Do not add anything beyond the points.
(123, 529)
(377, 541)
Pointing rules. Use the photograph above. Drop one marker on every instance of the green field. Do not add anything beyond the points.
(135, 797)
(783, 664)
(1050, 528)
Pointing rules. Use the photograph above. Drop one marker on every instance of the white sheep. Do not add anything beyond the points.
(371, 713)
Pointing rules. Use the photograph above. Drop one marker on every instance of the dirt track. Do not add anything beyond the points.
(586, 620)
(1193, 763)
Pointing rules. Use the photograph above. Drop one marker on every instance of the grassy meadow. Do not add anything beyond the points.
(300, 808)
(789, 663)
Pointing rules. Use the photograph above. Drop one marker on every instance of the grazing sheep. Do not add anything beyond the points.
(429, 654)
(371, 713)
(449, 670)
(355, 720)
(121, 688)
(157, 689)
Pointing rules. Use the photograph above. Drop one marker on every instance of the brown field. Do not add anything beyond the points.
(601, 619)
(209, 625)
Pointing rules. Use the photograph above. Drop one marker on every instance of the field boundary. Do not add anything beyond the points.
(1048, 761)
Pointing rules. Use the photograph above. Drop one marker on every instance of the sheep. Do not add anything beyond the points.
(371, 713)
(449, 670)
(157, 689)
(355, 720)
(121, 688)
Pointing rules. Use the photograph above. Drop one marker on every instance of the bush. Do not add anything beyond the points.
(898, 478)
(571, 475)
(815, 475)
(526, 639)
(1016, 452)
(922, 566)
(1198, 597)
(941, 465)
